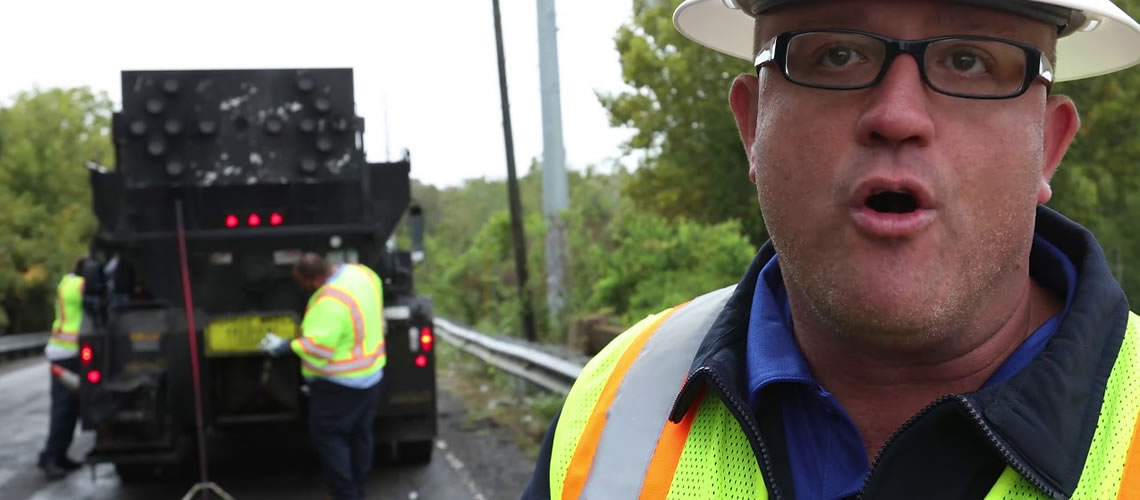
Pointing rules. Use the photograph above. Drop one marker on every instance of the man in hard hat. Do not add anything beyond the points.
(342, 357)
(63, 349)
(919, 325)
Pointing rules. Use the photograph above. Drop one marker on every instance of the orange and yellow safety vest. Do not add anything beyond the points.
(68, 314)
(342, 333)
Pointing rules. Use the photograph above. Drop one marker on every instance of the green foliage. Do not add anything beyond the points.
(648, 262)
(480, 285)
(45, 137)
(470, 266)
(479, 199)
(636, 263)
(623, 261)
(694, 163)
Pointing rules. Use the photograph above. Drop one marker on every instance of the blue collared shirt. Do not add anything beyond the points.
(825, 450)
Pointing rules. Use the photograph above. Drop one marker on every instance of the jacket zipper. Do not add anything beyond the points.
(751, 430)
(1010, 458)
(894, 437)
(1018, 464)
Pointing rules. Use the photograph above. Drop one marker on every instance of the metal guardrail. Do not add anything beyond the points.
(12, 346)
(543, 369)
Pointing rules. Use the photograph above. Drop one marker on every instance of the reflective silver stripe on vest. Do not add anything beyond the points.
(342, 367)
(65, 337)
(316, 350)
(641, 406)
(85, 327)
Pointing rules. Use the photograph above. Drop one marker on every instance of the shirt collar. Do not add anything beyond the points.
(772, 354)
(336, 275)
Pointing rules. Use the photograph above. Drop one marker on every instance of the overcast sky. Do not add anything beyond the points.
(430, 63)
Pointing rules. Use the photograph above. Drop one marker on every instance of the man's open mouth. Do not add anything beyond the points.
(892, 208)
(892, 202)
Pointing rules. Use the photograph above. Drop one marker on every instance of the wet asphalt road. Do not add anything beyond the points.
(24, 407)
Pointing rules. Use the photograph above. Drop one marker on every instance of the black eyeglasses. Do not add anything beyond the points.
(973, 67)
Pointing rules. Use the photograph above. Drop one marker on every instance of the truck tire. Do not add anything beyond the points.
(414, 452)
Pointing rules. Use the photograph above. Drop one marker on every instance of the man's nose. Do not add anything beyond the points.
(898, 109)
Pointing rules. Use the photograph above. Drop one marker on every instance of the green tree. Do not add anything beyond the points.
(645, 263)
(693, 163)
(45, 138)
(469, 269)
(478, 285)
(624, 261)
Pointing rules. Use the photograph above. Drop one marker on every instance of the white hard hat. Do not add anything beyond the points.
(1100, 39)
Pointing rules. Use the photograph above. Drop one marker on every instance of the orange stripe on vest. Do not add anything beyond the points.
(62, 312)
(659, 477)
(583, 457)
(354, 313)
(1130, 481)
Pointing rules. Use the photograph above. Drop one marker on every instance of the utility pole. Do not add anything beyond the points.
(555, 193)
(517, 234)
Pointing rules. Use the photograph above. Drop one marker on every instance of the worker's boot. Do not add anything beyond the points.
(52, 470)
(69, 465)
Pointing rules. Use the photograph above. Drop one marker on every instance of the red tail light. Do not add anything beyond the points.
(86, 354)
(276, 219)
(232, 221)
(254, 220)
(94, 376)
(421, 361)
(426, 338)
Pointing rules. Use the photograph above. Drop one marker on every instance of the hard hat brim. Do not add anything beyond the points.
(1109, 41)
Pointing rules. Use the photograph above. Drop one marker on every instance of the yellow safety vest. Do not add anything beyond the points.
(614, 438)
(342, 334)
(68, 313)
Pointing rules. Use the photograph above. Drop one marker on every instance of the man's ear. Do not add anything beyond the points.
(1061, 125)
(743, 100)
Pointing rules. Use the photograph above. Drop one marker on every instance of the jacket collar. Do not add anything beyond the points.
(1047, 412)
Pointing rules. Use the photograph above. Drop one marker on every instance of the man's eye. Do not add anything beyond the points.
(967, 62)
(838, 57)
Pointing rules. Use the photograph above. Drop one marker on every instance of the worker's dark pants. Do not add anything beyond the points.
(340, 422)
(64, 413)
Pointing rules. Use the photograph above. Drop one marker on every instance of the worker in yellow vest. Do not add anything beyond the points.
(920, 325)
(63, 349)
(342, 357)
